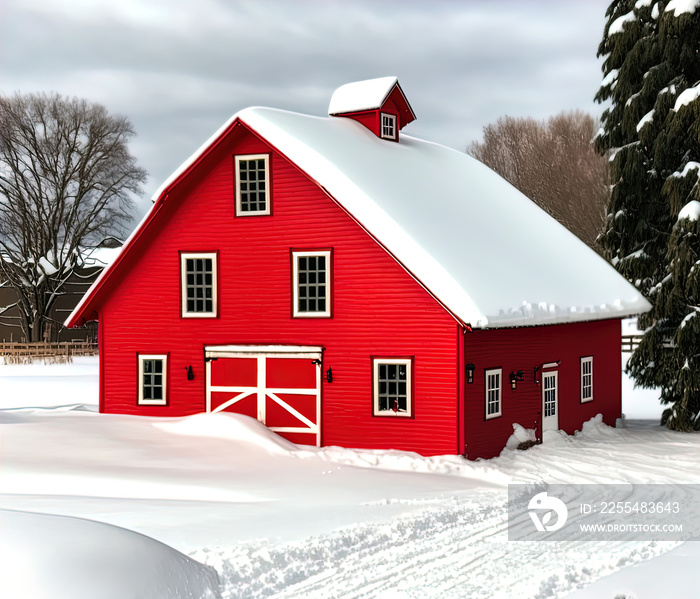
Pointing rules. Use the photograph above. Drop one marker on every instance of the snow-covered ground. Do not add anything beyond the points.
(166, 496)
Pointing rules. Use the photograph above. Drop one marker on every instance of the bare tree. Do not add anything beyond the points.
(554, 164)
(66, 181)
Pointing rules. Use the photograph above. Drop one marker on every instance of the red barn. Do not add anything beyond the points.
(347, 284)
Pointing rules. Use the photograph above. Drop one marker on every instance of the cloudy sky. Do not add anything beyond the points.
(179, 68)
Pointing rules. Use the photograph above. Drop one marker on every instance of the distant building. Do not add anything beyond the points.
(95, 260)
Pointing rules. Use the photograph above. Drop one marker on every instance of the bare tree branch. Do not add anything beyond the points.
(554, 164)
(66, 181)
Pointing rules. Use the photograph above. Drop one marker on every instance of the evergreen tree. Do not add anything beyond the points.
(652, 131)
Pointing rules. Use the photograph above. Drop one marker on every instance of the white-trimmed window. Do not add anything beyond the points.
(388, 126)
(153, 379)
(252, 185)
(311, 274)
(586, 379)
(198, 272)
(392, 381)
(493, 380)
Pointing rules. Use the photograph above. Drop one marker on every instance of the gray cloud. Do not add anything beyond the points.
(179, 69)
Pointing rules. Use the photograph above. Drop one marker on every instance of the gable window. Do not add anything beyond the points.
(153, 380)
(311, 284)
(198, 272)
(493, 392)
(392, 382)
(388, 126)
(252, 185)
(586, 379)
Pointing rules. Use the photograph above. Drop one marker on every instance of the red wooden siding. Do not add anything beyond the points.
(378, 309)
(525, 348)
(372, 118)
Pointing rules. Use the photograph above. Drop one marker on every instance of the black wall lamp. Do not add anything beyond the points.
(329, 375)
(515, 377)
(190, 373)
(470, 368)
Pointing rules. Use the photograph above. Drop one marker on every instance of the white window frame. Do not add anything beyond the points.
(153, 402)
(586, 360)
(184, 256)
(408, 362)
(295, 283)
(392, 118)
(499, 389)
(246, 157)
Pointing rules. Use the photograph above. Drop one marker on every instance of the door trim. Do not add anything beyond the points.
(555, 375)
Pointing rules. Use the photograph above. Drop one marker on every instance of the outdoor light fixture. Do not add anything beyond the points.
(515, 377)
(470, 368)
(190, 373)
(535, 376)
(329, 375)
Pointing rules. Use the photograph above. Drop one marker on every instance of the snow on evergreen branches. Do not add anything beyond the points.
(619, 23)
(689, 95)
(680, 7)
(652, 236)
(691, 211)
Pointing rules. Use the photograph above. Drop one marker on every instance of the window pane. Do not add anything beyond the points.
(199, 284)
(251, 185)
(311, 283)
(392, 387)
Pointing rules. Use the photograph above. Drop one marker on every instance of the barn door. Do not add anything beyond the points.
(550, 401)
(278, 385)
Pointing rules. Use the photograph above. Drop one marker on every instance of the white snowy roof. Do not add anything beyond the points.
(484, 250)
(361, 95)
(488, 253)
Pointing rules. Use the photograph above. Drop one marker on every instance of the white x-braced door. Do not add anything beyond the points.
(278, 385)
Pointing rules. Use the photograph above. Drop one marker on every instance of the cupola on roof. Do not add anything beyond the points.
(370, 95)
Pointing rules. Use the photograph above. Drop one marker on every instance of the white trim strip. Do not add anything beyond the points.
(232, 401)
(232, 389)
(293, 429)
(284, 391)
(208, 389)
(262, 378)
(290, 409)
(216, 351)
(551, 364)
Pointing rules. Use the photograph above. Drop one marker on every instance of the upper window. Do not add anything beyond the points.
(493, 393)
(392, 387)
(587, 379)
(252, 185)
(388, 125)
(312, 285)
(153, 380)
(199, 285)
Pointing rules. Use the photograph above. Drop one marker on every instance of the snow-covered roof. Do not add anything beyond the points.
(361, 95)
(484, 250)
(487, 252)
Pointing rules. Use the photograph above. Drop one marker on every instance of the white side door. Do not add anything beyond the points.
(550, 401)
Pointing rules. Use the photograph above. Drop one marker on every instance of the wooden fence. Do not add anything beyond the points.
(54, 352)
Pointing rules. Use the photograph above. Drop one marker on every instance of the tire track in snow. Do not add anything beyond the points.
(455, 550)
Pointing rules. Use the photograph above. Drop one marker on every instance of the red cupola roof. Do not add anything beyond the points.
(366, 102)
